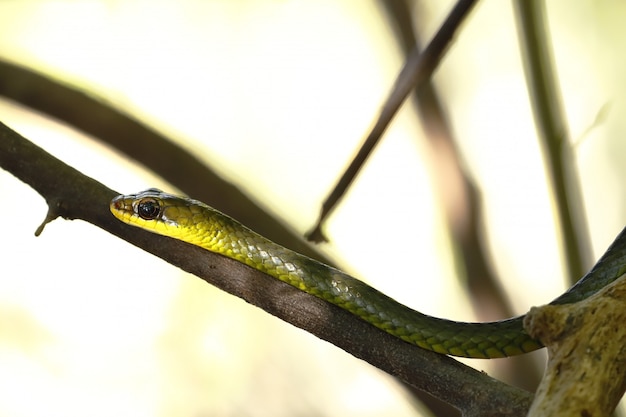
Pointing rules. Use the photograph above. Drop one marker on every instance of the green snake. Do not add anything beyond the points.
(198, 224)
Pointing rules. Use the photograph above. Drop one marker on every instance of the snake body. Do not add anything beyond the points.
(198, 224)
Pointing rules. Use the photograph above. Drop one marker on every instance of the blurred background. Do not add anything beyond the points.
(276, 97)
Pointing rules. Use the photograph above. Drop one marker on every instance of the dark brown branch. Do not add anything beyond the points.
(74, 196)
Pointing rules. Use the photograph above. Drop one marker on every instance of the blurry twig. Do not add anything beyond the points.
(145, 145)
(552, 131)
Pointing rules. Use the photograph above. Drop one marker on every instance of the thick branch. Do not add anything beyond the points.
(74, 196)
(586, 372)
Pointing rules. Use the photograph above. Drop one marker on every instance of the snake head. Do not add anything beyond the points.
(169, 215)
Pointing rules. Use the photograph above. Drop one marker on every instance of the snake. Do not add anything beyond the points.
(198, 224)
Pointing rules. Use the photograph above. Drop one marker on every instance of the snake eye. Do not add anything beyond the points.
(148, 209)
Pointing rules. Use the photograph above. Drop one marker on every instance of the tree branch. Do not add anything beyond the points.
(553, 136)
(586, 372)
(73, 195)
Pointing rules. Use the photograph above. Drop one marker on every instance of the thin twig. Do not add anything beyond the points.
(419, 67)
(552, 129)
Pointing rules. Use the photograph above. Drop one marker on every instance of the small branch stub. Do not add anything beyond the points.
(586, 342)
(53, 213)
